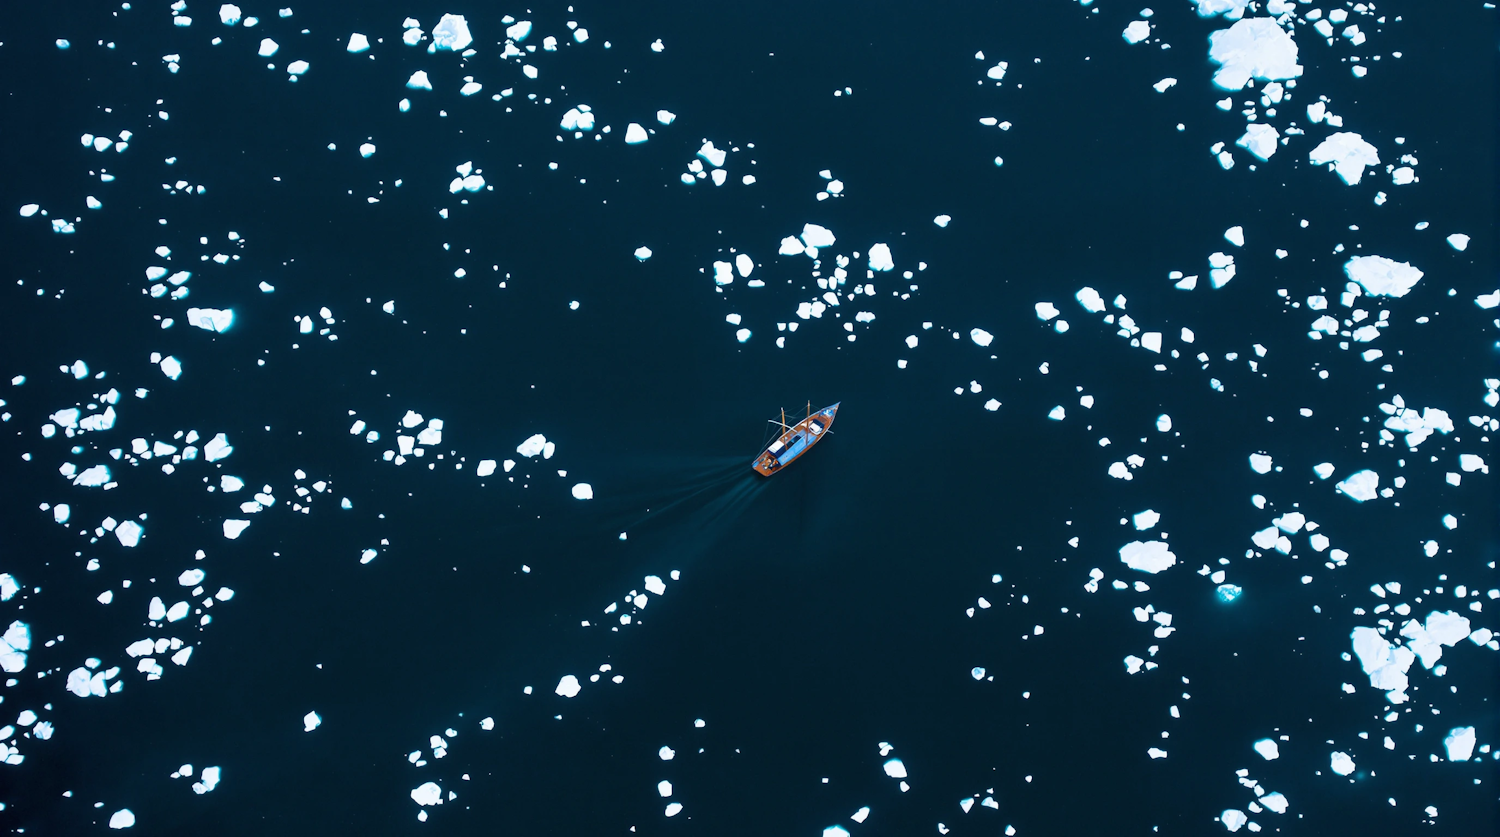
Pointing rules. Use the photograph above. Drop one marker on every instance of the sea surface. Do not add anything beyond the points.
(1084, 548)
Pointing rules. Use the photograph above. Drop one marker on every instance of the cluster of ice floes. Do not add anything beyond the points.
(1273, 802)
(634, 602)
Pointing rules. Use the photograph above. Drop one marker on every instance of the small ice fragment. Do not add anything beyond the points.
(880, 257)
(268, 48)
(129, 533)
(1259, 139)
(665, 117)
(978, 335)
(1137, 31)
(1161, 86)
(942, 220)
(1233, 819)
(122, 818)
(1459, 242)
(1324, 470)
(419, 81)
(1260, 463)
(311, 721)
(229, 14)
(233, 528)
(1235, 235)
(1045, 311)
(635, 134)
(1267, 749)
(1145, 520)
(643, 253)
(358, 43)
(485, 468)
(1163, 423)
(568, 686)
(895, 769)
(367, 150)
(1340, 763)
(816, 236)
(583, 491)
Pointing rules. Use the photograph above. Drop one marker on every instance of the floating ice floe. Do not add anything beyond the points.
(419, 81)
(1381, 276)
(1137, 31)
(665, 117)
(123, 818)
(1459, 743)
(1385, 664)
(452, 33)
(1235, 235)
(1231, 9)
(1459, 242)
(895, 769)
(568, 686)
(1267, 749)
(1260, 463)
(268, 48)
(229, 14)
(1360, 486)
(1253, 48)
(1164, 84)
(1046, 311)
(1145, 520)
(978, 335)
(643, 253)
(209, 781)
(519, 31)
(815, 236)
(13, 647)
(713, 156)
(1341, 763)
(880, 257)
(129, 533)
(234, 528)
(427, 793)
(579, 118)
(942, 220)
(1233, 819)
(1148, 557)
(211, 319)
(358, 43)
(367, 150)
(635, 134)
(1349, 154)
(311, 721)
(583, 491)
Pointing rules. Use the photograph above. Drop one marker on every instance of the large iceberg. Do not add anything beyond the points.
(1253, 48)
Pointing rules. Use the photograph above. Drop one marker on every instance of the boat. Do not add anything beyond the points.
(794, 440)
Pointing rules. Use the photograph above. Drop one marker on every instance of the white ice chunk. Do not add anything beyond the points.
(1340, 763)
(1459, 242)
(311, 721)
(233, 528)
(211, 319)
(268, 48)
(122, 818)
(743, 265)
(714, 156)
(568, 686)
(419, 81)
(1235, 235)
(1381, 276)
(229, 14)
(1148, 557)
(816, 236)
(665, 117)
(1260, 463)
(1459, 743)
(427, 793)
(130, 533)
(1137, 31)
(1046, 311)
(1090, 300)
(217, 448)
(978, 335)
(1267, 749)
(452, 32)
(358, 43)
(895, 769)
(1253, 48)
(1233, 819)
(635, 134)
(532, 446)
(1349, 154)
(880, 257)
(1145, 520)
(583, 491)
(1360, 486)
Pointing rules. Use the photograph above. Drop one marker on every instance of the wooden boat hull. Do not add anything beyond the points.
(796, 441)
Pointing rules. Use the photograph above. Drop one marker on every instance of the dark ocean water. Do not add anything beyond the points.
(818, 613)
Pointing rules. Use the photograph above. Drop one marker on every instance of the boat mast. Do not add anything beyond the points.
(783, 421)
